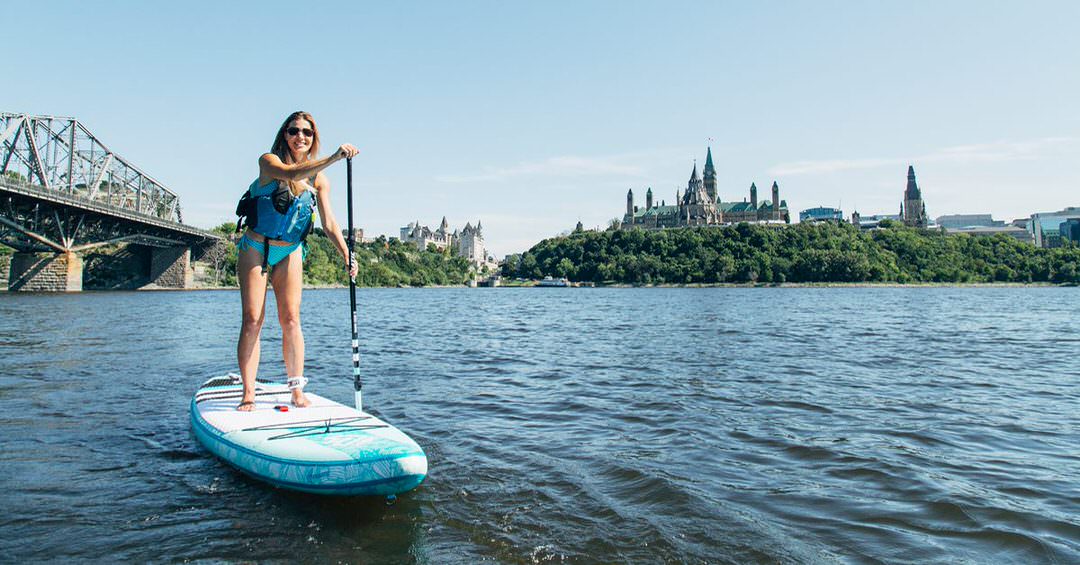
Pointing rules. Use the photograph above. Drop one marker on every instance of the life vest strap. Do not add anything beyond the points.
(266, 254)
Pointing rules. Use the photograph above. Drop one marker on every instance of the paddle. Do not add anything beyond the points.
(352, 292)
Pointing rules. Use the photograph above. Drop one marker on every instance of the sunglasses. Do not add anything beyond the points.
(293, 131)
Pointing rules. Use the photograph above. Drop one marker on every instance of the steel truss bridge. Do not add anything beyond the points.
(63, 190)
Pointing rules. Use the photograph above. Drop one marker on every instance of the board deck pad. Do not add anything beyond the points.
(325, 448)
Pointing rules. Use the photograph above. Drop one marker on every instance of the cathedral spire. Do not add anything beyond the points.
(775, 201)
(912, 191)
(710, 177)
(694, 175)
(913, 211)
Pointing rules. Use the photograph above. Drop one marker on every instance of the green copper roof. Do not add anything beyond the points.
(657, 211)
(736, 206)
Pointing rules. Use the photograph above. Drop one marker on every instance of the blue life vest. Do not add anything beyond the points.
(275, 213)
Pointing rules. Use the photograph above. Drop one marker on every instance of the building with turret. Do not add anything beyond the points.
(467, 243)
(701, 205)
(697, 207)
(470, 243)
(421, 236)
(754, 211)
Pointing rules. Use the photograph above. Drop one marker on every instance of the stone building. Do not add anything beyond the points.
(468, 243)
(753, 211)
(700, 205)
(421, 236)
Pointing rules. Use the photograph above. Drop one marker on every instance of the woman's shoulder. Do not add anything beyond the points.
(270, 183)
(257, 189)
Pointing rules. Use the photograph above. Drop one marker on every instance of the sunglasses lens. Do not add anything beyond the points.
(295, 131)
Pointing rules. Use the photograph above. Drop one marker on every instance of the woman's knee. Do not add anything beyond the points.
(252, 321)
(290, 321)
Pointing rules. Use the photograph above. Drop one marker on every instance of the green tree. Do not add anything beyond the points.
(821, 252)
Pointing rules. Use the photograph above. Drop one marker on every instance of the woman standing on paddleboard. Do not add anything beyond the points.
(279, 206)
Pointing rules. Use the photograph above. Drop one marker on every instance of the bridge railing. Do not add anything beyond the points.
(80, 201)
(59, 155)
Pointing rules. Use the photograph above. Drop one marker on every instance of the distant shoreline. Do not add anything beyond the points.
(843, 285)
(153, 288)
(667, 285)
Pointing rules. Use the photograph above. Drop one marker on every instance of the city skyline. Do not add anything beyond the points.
(533, 117)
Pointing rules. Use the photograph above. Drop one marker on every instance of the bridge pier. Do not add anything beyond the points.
(170, 267)
(45, 272)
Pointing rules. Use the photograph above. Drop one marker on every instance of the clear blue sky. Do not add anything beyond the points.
(531, 116)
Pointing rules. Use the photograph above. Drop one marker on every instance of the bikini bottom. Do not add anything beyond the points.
(277, 252)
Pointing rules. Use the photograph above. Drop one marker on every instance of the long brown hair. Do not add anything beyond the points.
(281, 146)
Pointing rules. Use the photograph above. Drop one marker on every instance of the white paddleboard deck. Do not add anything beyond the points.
(324, 448)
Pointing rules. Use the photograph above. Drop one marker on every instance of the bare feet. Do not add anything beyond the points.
(246, 405)
(298, 398)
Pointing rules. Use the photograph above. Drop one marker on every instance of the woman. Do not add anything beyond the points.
(289, 176)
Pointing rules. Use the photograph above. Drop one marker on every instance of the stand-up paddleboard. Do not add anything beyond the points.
(324, 448)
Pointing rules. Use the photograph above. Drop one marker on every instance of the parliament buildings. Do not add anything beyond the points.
(700, 205)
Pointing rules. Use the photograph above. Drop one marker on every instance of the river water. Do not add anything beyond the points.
(568, 425)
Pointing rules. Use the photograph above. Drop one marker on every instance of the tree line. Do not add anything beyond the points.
(382, 263)
(811, 252)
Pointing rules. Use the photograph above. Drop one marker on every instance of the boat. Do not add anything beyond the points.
(549, 282)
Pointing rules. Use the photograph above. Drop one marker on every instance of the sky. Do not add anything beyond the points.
(532, 116)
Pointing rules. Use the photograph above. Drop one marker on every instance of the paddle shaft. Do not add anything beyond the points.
(352, 291)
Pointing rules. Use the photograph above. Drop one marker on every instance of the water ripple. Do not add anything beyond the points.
(587, 425)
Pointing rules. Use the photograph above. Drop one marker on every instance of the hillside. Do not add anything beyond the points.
(819, 252)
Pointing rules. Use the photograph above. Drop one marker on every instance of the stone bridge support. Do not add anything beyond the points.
(45, 272)
(170, 267)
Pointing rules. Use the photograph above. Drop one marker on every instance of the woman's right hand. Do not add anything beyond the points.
(347, 151)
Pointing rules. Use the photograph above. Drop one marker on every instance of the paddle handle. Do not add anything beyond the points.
(352, 291)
